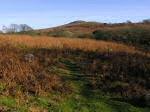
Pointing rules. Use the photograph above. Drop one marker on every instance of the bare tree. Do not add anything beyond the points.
(16, 28)
(4, 29)
(13, 28)
(24, 27)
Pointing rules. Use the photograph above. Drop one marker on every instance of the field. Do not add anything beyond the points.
(48, 74)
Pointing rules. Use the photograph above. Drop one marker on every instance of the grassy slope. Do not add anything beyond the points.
(136, 34)
(73, 89)
(92, 26)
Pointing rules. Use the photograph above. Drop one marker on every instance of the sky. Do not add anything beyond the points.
(49, 13)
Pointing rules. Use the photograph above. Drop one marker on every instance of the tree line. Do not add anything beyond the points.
(12, 28)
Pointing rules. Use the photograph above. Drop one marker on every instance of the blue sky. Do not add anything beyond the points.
(49, 13)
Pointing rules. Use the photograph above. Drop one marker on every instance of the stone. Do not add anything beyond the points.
(147, 99)
(29, 58)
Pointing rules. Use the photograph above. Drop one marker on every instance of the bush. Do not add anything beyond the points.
(131, 35)
(102, 35)
(60, 33)
(83, 35)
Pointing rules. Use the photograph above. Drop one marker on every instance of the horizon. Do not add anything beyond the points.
(4, 25)
(47, 13)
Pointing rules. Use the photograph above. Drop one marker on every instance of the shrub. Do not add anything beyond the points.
(102, 35)
(83, 35)
(131, 35)
(60, 33)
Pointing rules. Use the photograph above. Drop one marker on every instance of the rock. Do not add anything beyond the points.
(29, 58)
(147, 99)
(4, 109)
(124, 37)
(1, 75)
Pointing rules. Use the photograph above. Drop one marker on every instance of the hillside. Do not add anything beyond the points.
(43, 74)
(137, 34)
(77, 26)
(85, 26)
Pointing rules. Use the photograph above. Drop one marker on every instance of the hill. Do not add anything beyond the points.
(90, 26)
(41, 74)
(77, 26)
(136, 34)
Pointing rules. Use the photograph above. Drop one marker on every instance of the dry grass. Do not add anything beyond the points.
(67, 43)
(17, 73)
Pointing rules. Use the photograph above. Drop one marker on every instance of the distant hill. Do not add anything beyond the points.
(90, 26)
(76, 26)
(76, 22)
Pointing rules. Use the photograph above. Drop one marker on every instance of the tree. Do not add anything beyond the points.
(12, 28)
(146, 21)
(129, 22)
(24, 27)
(4, 29)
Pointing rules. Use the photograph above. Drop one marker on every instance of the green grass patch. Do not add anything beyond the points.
(7, 101)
